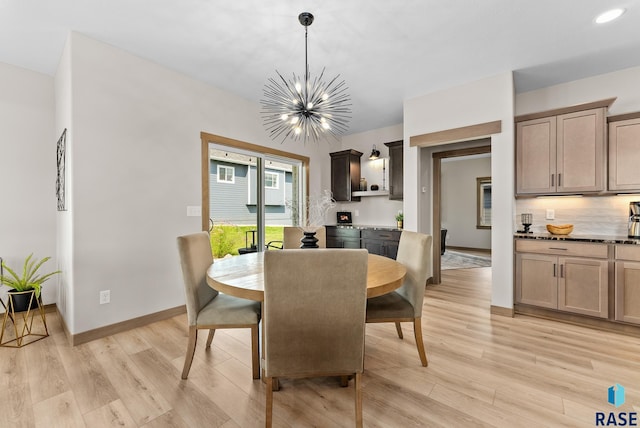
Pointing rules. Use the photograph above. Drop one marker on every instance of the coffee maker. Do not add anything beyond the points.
(634, 219)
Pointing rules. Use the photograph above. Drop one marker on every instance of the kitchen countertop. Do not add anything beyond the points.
(603, 239)
(363, 226)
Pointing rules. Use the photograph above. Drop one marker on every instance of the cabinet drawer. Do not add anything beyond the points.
(562, 248)
(390, 235)
(628, 252)
(341, 232)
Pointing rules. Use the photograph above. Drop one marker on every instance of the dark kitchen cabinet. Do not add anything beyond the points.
(338, 237)
(345, 174)
(396, 185)
(381, 242)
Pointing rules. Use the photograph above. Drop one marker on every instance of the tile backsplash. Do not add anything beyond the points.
(594, 215)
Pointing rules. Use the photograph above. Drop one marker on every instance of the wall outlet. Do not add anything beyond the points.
(356, 213)
(105, 297)
(551, 214)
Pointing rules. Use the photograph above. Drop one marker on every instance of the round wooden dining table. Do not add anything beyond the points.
(242, 276)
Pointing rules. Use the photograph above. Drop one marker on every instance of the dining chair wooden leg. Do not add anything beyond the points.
(268, 414)
(358, 386)
(210, 337)
(399, 330)
(191, 349)
(344, 381)
(255, 354)
(417, 330)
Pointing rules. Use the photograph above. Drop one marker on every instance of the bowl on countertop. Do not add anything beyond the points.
(561, 229)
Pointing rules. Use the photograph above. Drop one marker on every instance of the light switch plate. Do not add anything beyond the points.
(551, 214)
(194, 211)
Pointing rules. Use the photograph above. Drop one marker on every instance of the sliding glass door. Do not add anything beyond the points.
(249, 195)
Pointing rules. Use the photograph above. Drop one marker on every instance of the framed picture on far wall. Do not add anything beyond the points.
(60, 179)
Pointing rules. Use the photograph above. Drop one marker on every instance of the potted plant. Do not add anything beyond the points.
(26, 288)
(400, 219)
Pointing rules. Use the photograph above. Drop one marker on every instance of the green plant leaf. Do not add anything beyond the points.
(29, 280)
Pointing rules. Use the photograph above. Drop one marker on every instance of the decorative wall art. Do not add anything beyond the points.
(60, 180)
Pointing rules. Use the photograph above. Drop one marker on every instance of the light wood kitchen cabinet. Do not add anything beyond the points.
(396, 170)
(627, 289)
(536, 283)
(624, 154)
(536, 156)
(561, 154)
(345, 174)
(566, 276)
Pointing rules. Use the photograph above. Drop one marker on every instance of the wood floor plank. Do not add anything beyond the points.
(138, 394)
(47, 378)
(113, 414)
(168, 420)
(194, 407)
(87, 378)
(246, 409)
(58, 411)
(16, 406)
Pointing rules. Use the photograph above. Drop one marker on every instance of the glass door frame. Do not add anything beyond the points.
(207, 138)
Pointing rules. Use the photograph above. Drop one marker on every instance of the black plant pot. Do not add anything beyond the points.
(309, 240)
(21, 300)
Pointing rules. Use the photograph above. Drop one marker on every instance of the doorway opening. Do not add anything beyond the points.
(477, 209)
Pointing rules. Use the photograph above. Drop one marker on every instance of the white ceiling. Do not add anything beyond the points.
(386, 50)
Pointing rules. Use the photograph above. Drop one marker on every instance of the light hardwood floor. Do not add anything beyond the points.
(483, 371)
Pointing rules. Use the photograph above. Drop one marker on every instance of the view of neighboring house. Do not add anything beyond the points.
(232, 184)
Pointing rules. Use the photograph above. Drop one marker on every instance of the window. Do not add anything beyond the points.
(271, 180)
(226, 174)
(484, 203)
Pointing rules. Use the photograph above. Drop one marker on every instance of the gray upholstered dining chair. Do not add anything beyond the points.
(314, 317)
(208, 309)
(405, 304)
(293, 235)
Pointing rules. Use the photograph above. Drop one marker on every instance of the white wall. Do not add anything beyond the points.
(459, 201)
(477, 102)
(136, 167)
(372, 210)
(592, 215)
(27, 171)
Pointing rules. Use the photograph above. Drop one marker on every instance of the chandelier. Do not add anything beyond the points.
(305, 108)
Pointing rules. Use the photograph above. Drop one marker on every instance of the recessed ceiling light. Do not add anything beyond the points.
(609, 15)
